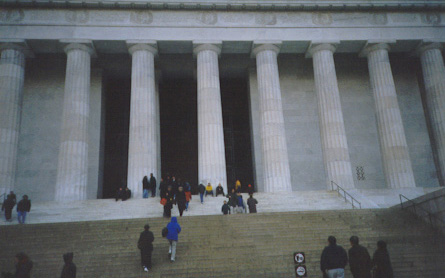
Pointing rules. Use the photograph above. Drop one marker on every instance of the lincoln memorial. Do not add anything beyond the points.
(284, 95)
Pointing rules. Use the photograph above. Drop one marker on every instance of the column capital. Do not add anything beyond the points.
(147, 45)
(84, 45)
(319, 46)
(19, 45)
(199, 46)
(259, 46)
(375, 45)
(428, 45)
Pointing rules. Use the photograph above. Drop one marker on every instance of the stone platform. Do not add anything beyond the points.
(109, 209)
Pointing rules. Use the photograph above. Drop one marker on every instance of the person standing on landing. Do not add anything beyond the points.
(145, 244)
(145, 187)
(251, 203)
(201, 189)
(23, 207)
(152, 185)
(173, 231)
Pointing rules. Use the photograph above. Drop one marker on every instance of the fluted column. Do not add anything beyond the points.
(393, 146)
(142, 147)
(434, 78)
(211, 150)
(12, 75)
(332, 128)
(276, 171)
(72, 168)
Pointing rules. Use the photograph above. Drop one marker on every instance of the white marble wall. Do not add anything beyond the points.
(12, 75)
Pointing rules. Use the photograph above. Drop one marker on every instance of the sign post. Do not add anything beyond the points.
(300, 268)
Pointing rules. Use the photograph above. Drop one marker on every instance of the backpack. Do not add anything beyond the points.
(164, 232)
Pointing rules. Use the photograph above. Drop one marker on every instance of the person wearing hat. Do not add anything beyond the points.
(145, 244)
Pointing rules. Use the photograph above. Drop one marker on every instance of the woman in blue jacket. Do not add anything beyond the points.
(173, 230)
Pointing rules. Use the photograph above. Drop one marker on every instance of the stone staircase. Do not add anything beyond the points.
(241, 245)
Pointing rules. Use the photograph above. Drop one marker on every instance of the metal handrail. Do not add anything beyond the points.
(345, 195)
(430, 214)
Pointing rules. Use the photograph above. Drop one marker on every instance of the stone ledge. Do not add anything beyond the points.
(249, 5)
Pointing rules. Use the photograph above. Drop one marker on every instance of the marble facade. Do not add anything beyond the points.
(330, 97)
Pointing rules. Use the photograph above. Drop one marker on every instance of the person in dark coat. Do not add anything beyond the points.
(251, 203)
(333, 259)
(13, 196)
(225, 209)
(145, 244)
(381, 262)
(120, 194)
(145, 187)
(69, 269)
(127, 194)
(23, 266)
(169, 204)
(201, 190)
(152, 185)
(173, 231)
(174, 185)
(359, 259)
(181, 200)
(23, 207)
(7, 206)
(233, 199)
(219, 190)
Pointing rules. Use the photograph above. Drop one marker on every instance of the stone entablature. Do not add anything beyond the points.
(246, 5)
(236, 29)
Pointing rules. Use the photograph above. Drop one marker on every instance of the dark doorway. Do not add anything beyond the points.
(179, 131)
(117, 119)
(237, 131)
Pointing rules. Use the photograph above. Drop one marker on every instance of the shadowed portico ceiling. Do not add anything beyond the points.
(252, 5)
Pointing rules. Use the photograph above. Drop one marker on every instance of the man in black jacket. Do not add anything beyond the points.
(333, 259)
(23, 207)
(145, 244)
(359, 259)
(152, 185)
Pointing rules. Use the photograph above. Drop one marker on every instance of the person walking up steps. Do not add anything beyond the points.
(69, 268)
(173, 231)
(145, 244)
(23, 207)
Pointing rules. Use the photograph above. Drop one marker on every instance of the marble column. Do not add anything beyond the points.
(12, 75)
(434, 78)
(332, 128)
(142, 147)
(276, 173)
(72, 168)
(394, 149)
(211, 150)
